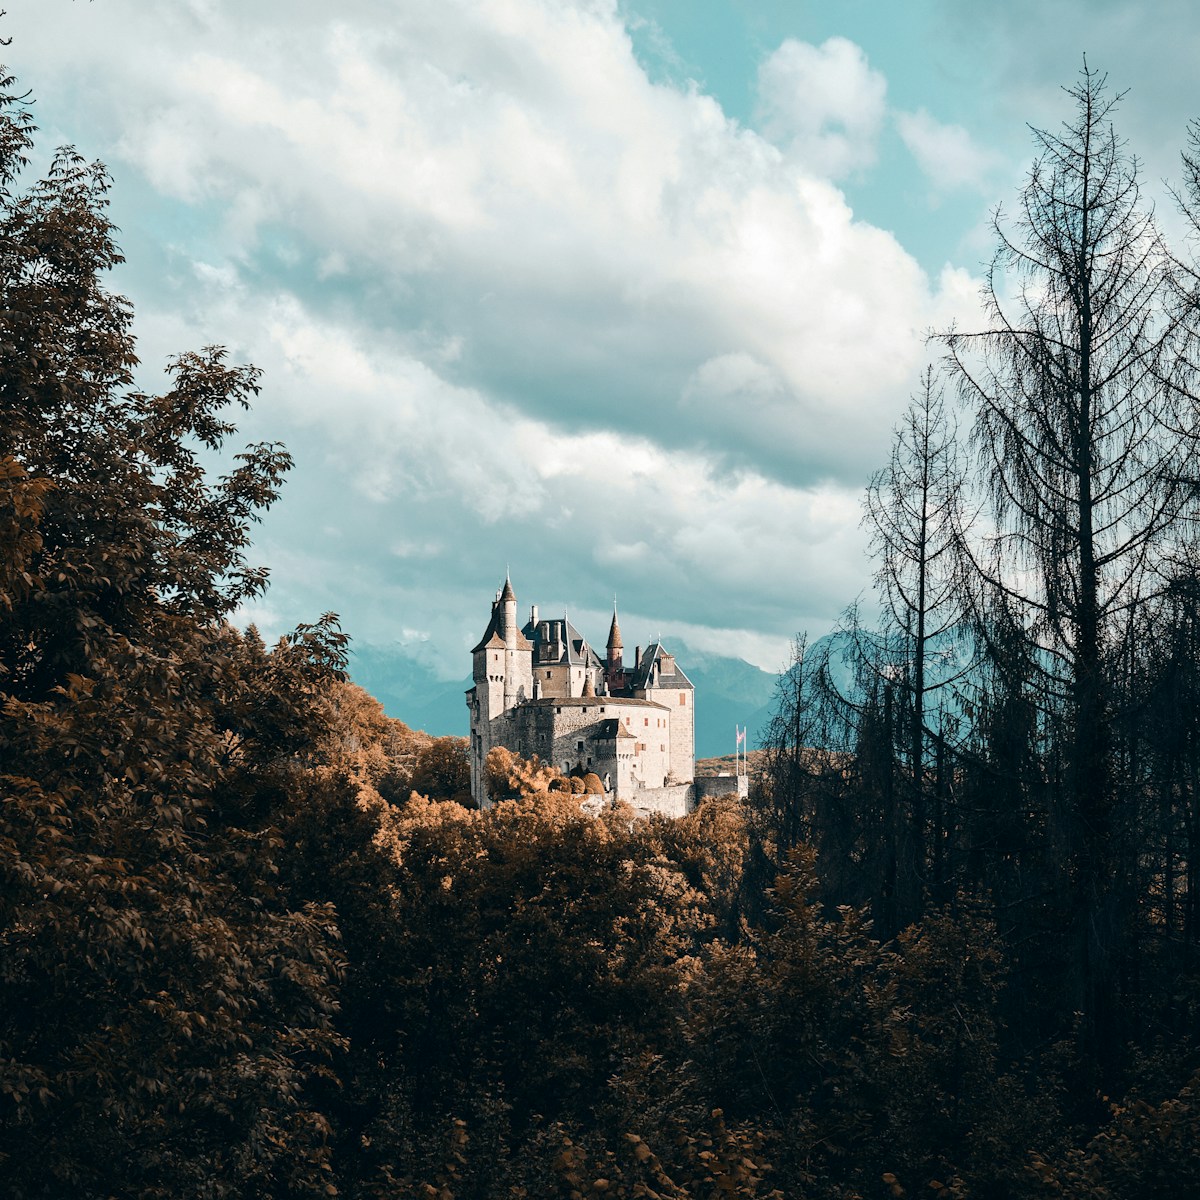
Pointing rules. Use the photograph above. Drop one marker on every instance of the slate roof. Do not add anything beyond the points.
(576, 650)
(613, 728)
(654, 653)
(491, 635)
(614, 633)
(492, 638)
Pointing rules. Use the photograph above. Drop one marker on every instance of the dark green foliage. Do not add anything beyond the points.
(443, 771)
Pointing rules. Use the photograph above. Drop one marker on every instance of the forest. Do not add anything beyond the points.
(255, 943)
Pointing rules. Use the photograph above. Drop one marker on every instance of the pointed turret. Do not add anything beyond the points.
(614, 634)
(614, 668)
(518, 678)
(508, 609)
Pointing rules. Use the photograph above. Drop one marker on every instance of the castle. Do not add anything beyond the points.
(542, 690)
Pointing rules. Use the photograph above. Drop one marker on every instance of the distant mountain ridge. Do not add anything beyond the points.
(729, 692)
(409, 690)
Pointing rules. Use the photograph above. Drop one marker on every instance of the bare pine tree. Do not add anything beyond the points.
(916, 518)
(1079, 408)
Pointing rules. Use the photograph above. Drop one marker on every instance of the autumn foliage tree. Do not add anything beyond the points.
(162, 1013)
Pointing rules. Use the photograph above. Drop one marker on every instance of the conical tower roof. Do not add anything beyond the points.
(614, 633)
(508, 593)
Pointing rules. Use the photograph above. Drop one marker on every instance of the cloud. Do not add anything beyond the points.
(946, 153)
(736, 380)
(1149, 58)
(586, 239)
(823, 104)
(515, 301)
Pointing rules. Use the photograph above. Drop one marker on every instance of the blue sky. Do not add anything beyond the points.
(623, 296)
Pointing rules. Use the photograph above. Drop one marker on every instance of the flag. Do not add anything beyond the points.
(741, 735)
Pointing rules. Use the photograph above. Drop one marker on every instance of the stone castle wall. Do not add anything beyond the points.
(722, 785)
(675, 801)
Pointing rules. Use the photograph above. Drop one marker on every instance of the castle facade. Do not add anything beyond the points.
(540, 689)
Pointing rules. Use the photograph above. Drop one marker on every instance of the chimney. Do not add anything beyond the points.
(533, 615)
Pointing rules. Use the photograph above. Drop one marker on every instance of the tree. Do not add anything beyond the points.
(164, 1014)
(509, 776)
(1079, 405)
(784, 788)
(443, 771)
(915, 516)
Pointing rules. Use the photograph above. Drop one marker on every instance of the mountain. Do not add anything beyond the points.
(952, 669)
(729, 692)
(409, 690)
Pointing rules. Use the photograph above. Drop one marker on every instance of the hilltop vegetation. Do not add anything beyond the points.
(253, 944)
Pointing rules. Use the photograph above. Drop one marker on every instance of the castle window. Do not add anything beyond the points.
(683, 697)
(647, 722)
(579, 745)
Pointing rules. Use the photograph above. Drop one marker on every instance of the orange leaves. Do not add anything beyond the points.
(508, 776)
(709, 1159)
(22, 501)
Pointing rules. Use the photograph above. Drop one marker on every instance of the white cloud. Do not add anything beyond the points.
(823, 104)
(514, 301)
(737, 379)
(946, 153)
(511, 184)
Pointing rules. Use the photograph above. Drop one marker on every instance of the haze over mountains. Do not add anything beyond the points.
(729, 692)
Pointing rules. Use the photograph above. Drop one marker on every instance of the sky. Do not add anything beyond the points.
(623, 298)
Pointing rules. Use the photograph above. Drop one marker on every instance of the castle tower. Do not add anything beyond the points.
(502, 673)
(487, 661)
(509, 632)
(614, 670)
(661, 679)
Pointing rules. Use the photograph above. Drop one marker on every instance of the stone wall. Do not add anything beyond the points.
(722, 785)
(674, 801)
(571, 733)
